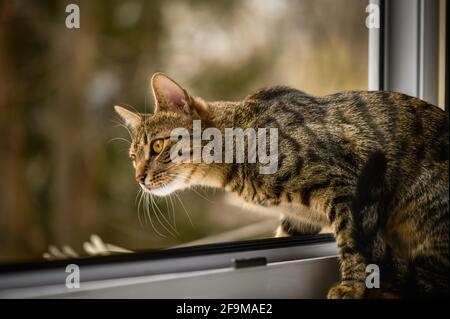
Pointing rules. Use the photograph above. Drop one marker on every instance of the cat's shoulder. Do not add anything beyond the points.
(275, 92)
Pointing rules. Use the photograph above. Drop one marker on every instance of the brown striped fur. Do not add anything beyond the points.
(371, 165)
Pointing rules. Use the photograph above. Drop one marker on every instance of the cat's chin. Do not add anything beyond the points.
(172, 186)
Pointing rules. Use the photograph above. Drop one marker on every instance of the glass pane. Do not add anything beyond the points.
(64, 156)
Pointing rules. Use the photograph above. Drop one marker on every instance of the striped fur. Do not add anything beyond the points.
(372, 165)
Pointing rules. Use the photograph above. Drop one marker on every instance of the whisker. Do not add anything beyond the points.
(139, 205)
(140, 190)
(181, 202)
(185, 176)
(171, 216)
(173, 211)
(150, 218)
(124, 126)
(119, 139)
(157, 217)
(202, 196)
(167, 207)
(162, 215)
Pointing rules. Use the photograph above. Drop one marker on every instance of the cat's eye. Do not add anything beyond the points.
(133, 157)
(157, 146)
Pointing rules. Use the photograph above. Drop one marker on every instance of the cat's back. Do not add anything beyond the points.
(391, 121)
(394, 118)
(274, 93)
(391, 111)
(375, 101)
(283, 104)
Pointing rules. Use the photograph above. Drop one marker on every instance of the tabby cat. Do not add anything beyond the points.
(373, 166)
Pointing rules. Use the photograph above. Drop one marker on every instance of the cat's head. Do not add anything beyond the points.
(150, 148)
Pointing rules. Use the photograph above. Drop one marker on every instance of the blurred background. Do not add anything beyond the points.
(65, 176)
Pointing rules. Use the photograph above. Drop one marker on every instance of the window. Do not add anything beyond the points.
(65, 177)
(408, 53)
(68, 176)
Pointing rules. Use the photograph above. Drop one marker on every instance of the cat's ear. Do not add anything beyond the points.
(132, 120)
(169, 95)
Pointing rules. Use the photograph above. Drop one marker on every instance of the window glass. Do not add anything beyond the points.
(64, 156)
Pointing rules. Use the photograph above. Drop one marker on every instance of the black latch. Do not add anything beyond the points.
(249, 262)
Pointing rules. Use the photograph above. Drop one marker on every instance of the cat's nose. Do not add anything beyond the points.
(141, 178)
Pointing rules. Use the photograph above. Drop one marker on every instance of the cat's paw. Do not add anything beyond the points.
(347, 290)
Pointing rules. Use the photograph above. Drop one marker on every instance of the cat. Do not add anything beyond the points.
(373, 166)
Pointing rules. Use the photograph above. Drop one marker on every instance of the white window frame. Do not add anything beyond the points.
(404, 51)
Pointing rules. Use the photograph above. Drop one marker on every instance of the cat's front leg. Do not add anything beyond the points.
(353, 264)
(290, 227)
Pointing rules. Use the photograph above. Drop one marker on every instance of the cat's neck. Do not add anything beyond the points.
(224, 115)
